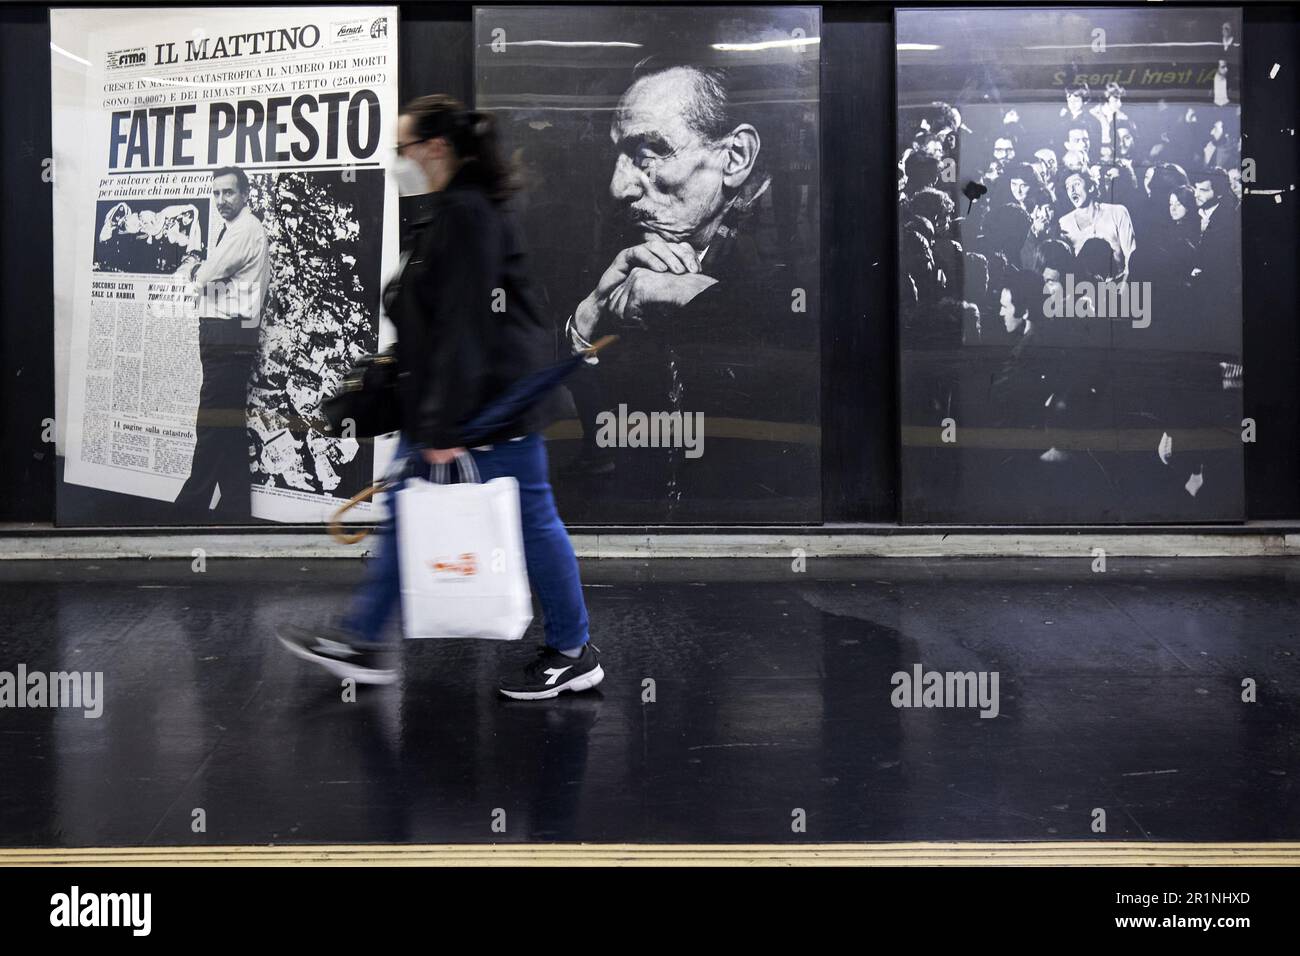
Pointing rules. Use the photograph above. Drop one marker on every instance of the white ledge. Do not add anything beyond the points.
(903, 544)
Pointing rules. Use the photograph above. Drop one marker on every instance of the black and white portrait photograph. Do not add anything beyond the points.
(149, 236)
(1069, 278)
(670, 162)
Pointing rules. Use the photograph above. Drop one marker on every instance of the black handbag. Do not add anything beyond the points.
(367, 400)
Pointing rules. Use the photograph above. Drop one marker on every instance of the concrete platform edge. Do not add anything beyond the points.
(100, 546)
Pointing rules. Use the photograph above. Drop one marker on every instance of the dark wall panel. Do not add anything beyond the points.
(1270, 252)
(436, 41)
(859, 190)
(26, 257)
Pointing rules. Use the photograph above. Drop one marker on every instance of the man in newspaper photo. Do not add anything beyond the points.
(231, 285)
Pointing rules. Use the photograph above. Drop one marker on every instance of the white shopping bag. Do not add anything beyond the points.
(461, 551)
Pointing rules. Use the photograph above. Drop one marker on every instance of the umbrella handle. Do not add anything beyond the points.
(599, 344)
(336, 520)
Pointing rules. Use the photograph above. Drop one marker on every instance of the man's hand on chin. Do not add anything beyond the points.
(654, 255)
(645, 289)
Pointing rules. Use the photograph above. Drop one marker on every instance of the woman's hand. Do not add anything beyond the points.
(441, 456)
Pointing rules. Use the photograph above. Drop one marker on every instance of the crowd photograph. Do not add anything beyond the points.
(1078, 243)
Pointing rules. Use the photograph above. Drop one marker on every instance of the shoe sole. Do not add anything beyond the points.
(582, 682)
(341, 669)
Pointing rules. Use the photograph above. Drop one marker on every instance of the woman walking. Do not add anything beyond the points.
(467, 329)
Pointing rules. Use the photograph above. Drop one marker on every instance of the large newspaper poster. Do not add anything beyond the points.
(223, 198)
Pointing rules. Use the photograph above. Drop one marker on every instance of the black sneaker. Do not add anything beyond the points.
(551, 672)
(335, 650)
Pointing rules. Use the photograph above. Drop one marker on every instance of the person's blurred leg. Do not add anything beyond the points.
(567, 661)
(548, 552)
(356, 647)
(380, 591)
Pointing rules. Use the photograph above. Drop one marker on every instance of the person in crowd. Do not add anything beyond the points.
(1220, 150)
(1119, 178)
(1053, 261)
(1004, 153)
(1075, 115)
(1217, 273)
(1093, 219)
(1170, 242)
(1214, 201)
(1045, 165)
(920, 171)
(937, 208)
(1078, 139)
(1110, 112)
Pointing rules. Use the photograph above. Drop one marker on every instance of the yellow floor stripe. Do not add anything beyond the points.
(626, 854)
(1078, 439)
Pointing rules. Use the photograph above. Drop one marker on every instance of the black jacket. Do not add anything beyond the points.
(467, 326)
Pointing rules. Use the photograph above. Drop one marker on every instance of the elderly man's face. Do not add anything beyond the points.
(667, 175)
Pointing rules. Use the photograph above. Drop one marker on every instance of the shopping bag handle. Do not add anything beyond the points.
(440, 474)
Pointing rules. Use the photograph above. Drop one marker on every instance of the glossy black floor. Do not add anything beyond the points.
(772, 694)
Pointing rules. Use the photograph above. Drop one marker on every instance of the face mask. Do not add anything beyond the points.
(411, 180)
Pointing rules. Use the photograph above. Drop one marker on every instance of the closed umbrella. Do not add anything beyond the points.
(523, 395)
(497, 414)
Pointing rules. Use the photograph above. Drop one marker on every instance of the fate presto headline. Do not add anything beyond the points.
(249, 131)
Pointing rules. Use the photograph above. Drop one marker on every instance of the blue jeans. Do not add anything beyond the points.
(548, 553)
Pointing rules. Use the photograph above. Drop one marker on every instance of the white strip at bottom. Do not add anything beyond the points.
(896, 545)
